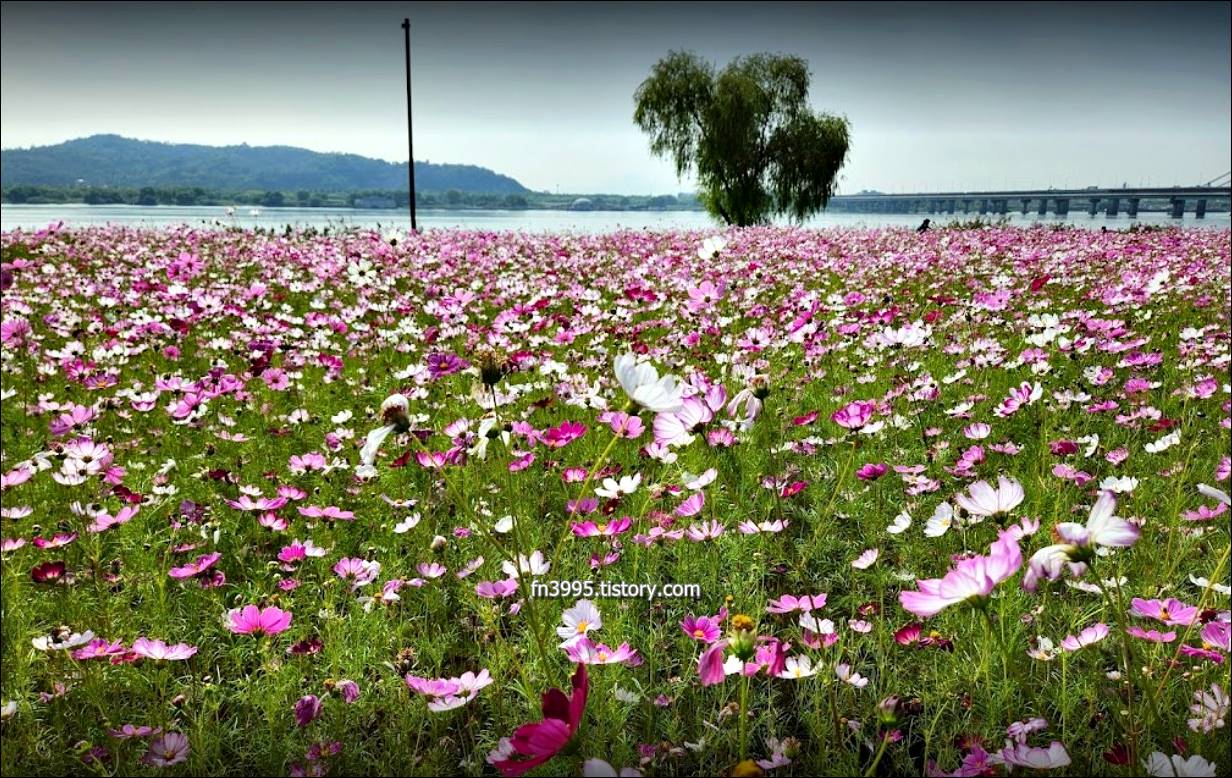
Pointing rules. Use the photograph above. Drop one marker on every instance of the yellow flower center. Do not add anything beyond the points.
(582, 627)
(1164, 615)
(698, 633)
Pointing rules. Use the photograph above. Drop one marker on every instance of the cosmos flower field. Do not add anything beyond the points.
(951, 503)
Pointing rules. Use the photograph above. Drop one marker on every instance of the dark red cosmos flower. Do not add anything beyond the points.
(541, 741)
(47, 572)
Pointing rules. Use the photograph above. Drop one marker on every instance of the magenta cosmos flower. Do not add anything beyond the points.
(854, 415)
(534, 744)
(702, 628)
(971, 579)
(251, 620)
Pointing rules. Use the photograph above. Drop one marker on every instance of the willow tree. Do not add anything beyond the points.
(757, 147)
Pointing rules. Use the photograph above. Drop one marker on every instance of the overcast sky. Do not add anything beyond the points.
(940, 97)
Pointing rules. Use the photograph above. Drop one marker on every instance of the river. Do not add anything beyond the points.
(29, 217)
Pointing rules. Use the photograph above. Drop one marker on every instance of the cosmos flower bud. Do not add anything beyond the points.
(887, 711)
(747, 769)
(743, 642)
(760, 385)
(439, 543)
(493, 365)
(394, 410)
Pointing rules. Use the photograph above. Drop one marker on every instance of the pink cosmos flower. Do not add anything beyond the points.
(329, 513)
(494, 590)
(259, 505)
(1152, 635)
(130, 731)
(533, 744)
(99, 649)
(866, 559)
(1019, 397)
(590, 529)
(706, 530)
(584, 651)
(1079, 546)
(1032, 758)
(970, 579)
(358, 571)
(251, 620)
(195, 567)
(854, 415)
(160, 651)
(167, 750)
(789, 603)
(1219, 635)
(1172, 612)
(1090, 635)
(431, 569)
(710, 664)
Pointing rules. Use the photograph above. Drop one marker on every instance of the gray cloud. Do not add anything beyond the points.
(940, 96)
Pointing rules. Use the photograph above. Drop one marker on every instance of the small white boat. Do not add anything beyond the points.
(254, 212)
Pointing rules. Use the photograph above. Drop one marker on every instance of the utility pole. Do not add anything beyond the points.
(410, 149)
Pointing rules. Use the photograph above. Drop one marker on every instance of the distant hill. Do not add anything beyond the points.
(115, 161)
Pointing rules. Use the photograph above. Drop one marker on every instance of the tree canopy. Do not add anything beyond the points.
(748, 131)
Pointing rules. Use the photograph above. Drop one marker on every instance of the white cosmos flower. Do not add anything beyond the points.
(535, 564)
(407, 524)
(901, 522)
(578, 620)
(798, 667)
(844, 673)
(503, 525)
(1159, 765)
(1215, 494)
(1122, 485)
(1202, 583)
(394, 412)
(942, 519)
(612, 488)
(644, 386)
(711, 246)
(1164, 443)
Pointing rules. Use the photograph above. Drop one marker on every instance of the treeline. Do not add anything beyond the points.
(371, 198)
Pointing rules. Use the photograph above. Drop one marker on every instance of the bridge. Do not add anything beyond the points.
(1044, 201)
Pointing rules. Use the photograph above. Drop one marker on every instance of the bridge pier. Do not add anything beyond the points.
(966, 206)
(1113, 204)
(983, 207)
(1026, 206)
(1178, 208)
(1043, 206)
(1094, 206)
(1132, 211)
(1062, 206)
(1002, 206)
(1200, 211)
(949, 206)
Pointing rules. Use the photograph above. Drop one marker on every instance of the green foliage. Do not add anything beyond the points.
(363, 198)
(757, 147)
(114, 161)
